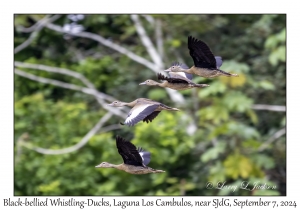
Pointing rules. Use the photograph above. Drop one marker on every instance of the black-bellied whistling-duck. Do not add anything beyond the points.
(143, 109)
(176, 82)
(205, 63)
(135, 159)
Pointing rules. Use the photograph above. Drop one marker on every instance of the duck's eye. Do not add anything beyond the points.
(148, 80)
(115, 102)
(173, 67)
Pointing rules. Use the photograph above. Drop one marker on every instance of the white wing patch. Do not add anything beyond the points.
(139, 112)
(178, 73)
(219, 61)
(146, 156)
(178, 76)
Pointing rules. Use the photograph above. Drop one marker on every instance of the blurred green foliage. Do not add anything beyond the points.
(229, 133)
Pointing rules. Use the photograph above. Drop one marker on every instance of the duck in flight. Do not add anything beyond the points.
(135, 159)
(143, 109)
(176, 82)
(205, 63)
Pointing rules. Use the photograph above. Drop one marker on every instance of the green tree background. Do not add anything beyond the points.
(67, 67)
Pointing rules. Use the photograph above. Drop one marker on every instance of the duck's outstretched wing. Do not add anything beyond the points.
(201, 54)
(146, 156)
(176, 75)
(139, 112)
(173, 79)
(129, 153)
(219, 61)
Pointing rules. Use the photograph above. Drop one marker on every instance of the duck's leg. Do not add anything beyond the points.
(224, 73)
(157, 171)
(199, 85)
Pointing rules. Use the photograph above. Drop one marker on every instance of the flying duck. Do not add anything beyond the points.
(143, 109)
(176, 82)
(205, 63)
(135, 159)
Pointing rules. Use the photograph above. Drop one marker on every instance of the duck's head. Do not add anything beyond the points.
(177, 67)
(149, 82)
(117, 104)
(104, 165)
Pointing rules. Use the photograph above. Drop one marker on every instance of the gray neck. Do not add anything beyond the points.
(190, 71)
(163, 84)
(131, 104)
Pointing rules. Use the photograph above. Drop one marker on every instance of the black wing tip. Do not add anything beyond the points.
(161, 77)
(191, 38)
(195, 40)
(123, 141)
(119, 138)
(147, 120)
